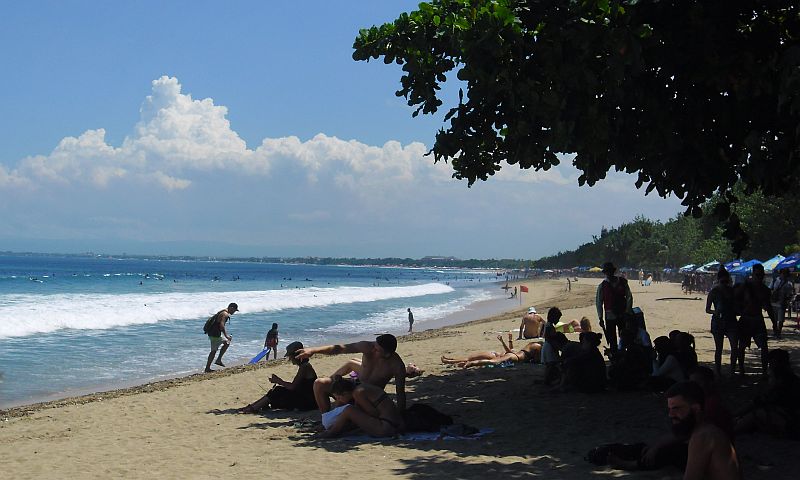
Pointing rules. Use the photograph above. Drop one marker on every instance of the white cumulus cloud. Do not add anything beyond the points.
(178, 137)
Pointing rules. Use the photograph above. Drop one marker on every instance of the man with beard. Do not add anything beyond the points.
(696, 445)
(710, 453)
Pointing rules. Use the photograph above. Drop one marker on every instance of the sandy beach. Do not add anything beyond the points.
(187, 428)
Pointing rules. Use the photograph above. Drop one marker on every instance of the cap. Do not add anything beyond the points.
(293, 347)
(609, 267)
(232, 306)
(532, 310)
(388, 342)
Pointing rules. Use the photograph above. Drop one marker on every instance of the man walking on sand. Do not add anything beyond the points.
(410, 321)
(613, 300)
(379, 364)
(216, 331)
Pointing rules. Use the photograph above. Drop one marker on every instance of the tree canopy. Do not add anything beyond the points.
(773, 224)
(691, 96)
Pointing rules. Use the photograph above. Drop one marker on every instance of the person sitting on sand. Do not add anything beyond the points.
(584, 370)
(379, 364)
(696, 445)
(531, 325)
(777, 410)
(297, 394)
(364, 406)
(667, 370)
(528, 353)
(553, 360)
(550, 355)
(574, 326)
(632, 364)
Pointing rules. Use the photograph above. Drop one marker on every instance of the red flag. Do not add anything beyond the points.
(523, 288)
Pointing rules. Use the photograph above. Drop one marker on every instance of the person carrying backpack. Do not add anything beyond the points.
(614, 301)
(215, 329)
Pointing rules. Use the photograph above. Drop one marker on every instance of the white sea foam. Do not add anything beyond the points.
(34, 314)
(397, 318)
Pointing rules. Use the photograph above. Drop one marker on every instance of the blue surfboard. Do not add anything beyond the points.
(260, 355)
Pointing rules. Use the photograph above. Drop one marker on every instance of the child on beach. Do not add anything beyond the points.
(272, 341)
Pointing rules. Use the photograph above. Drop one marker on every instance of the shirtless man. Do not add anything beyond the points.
(379, 364)
(531, 325)
(710, 453)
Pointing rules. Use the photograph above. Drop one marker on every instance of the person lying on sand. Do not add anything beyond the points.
(353, 368)
(574, 326)
(529, 352)
(364, 406)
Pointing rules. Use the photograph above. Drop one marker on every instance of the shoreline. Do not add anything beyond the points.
(533, 431)
(482, 311)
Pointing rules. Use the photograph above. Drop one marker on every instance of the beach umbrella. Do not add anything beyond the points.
(770, 264)
(733, 264)
(595, 269)
(745, 268)
(710, 267)
(789, 262)
(687, 268)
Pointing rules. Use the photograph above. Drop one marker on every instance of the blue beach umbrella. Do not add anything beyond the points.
(710, 267)
(733, 264)
(687, 268)
(789, 262)
(770, 264)
(746, 268)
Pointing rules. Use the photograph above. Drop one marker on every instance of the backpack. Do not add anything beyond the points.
(421, 417)
(619, 295)
(211, 327)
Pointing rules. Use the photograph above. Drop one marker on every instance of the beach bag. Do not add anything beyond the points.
(421, 417)
(211, 327)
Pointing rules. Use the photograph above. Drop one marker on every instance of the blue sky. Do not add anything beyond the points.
(245, 128)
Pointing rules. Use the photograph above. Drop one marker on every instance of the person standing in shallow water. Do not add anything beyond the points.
(218, 335)
(272, 341)
(410, 321)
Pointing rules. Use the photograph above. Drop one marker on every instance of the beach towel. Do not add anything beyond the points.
(330, 416)
(428, 436)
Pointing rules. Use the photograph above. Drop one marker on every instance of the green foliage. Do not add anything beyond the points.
(691, 96)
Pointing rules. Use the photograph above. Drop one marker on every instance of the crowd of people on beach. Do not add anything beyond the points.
(701, 442)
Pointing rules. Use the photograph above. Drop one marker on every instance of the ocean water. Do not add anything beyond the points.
(72, 324)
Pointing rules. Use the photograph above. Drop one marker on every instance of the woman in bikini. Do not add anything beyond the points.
(529, 352)
(370, 409)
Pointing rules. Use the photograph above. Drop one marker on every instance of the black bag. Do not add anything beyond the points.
(421, 417)
(211, 327)
(599, 455)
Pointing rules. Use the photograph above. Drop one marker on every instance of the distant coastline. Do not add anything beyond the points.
(424, 262)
